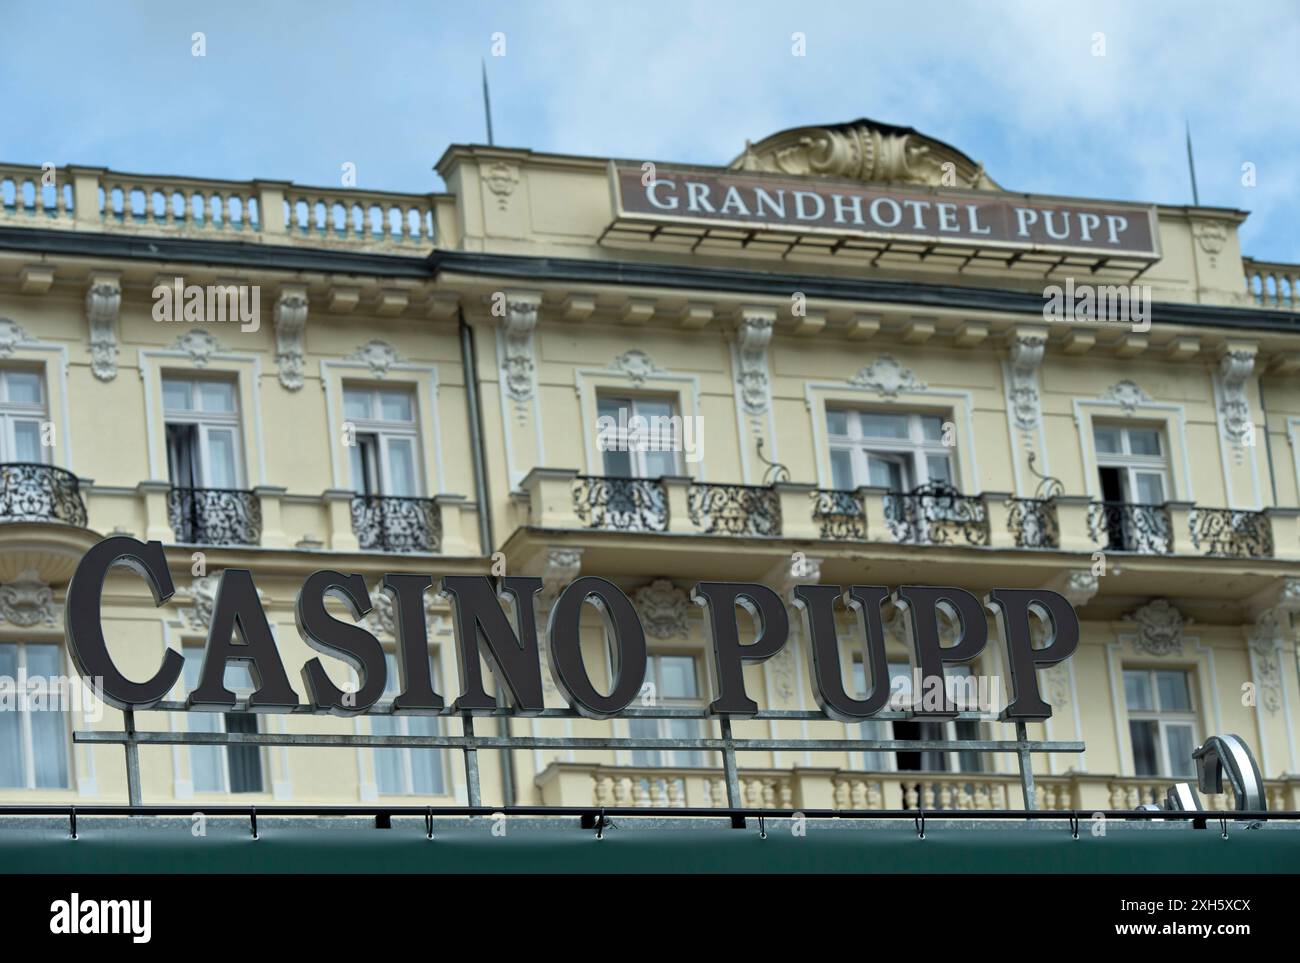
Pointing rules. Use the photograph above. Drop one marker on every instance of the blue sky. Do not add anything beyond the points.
(292, 90)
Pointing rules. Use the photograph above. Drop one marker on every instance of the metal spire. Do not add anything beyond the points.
(1191, 163)
(487, 104)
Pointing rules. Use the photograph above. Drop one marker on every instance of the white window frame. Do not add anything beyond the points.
(875, 728)
(205, 422)
(1130, 464)
(1164, 719)
(383, 432)
(633, 401)
(913, 451)
(671, 758)
(402, 724)
(197, 652)
(25, 722)
(13, 411)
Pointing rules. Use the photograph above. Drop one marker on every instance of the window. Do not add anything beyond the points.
(898, 451)
(1161, 721)
(676, 685)
(659, 438)
(958, 682)
(408, 772)
(34, 742)
(22, 411)
(223, 768)
(202, 419)
(1131, 463)
(385, 454)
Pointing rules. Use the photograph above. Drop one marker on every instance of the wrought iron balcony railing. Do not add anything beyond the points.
(839, 515)
(386, 523)
(1230, 533)
(215, 516)
(735, 509)
(1129, 527)
(621, 504)
(31, 492)
(1033, 522)
(937, 514)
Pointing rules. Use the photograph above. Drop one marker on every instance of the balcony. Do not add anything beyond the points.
(1124, 527)
(930, 535)
(43, 523)
(31, 492)
(215, 516)
(621, 504)
(937, 514)
(385, 523)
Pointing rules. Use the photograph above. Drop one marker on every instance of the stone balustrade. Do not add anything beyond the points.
(269, 212)
(1272, 285)
(583, 784)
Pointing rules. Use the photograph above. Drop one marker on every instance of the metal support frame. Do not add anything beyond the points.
(469, 743)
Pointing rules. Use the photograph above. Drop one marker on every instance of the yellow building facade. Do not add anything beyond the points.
(424, 383)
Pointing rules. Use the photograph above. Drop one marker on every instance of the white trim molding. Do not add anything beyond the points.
(1125, 399)
(377, 361)
(887, 383)
(636, 370)
(199, 349)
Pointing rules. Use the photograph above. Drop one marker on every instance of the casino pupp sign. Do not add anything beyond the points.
(510, 645)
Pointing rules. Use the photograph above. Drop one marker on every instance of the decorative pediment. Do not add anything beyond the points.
(865, 150)
(1160, 628)
(664, 608)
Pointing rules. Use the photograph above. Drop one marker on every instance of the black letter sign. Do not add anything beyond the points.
(728, 654)
(85, 635)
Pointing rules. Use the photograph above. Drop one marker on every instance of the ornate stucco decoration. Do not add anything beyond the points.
(1078, 586)
(377, 355)
(664, 608)
(501, 179)
(1128, 395)
(199, 345)
(1160, 628)
(1211, 236)
(635, 365)
(1234, 409)
(782, 669)
(865, 150)
(28, 601)
(1271, 630)
(753, 335)
(202, 596)
(519, 365)
(1057, 689)
(11, 336)
(383, 615)
(886, 377)
(560, 566)
(1026, 356)
(290, 324)
(103, 301)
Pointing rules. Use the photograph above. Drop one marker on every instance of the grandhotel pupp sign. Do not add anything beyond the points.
(483, 625)
(744, 200)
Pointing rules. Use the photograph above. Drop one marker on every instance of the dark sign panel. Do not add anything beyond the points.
(943, 216)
